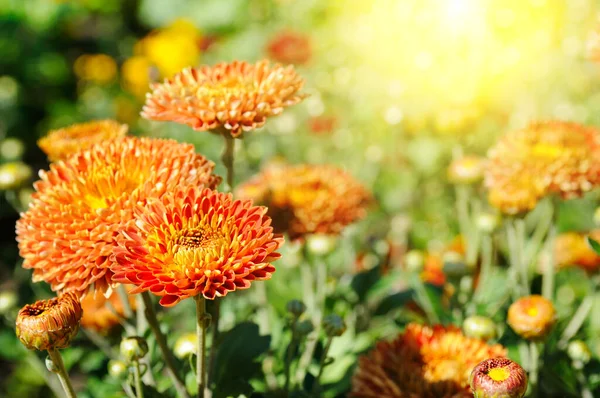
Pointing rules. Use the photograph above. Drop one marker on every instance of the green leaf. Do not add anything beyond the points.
(593, 244)
(394, 301)
(364, 281)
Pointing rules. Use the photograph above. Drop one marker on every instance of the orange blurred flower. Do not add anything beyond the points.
(307, 199)
(322, 125)
(195, 242)
(531, 317)
(68, 233)
(422, 362)
(235, 96)
(571, 248)
(290, 48)
(61, 143)
(544, 158)
(49, 324)
(98, 316)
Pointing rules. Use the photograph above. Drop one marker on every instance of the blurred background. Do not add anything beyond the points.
(397, 88)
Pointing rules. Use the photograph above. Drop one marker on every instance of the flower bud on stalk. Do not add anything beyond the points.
(333, 325)
(133, 348)
(466, 170)
(532, 317)
(304, 328)
(186, 345)
(295, 307)
(117, 369)
(479, 327)
(498, 378)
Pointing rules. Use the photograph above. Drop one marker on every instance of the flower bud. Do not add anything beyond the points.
(466, 170)
(531, 317)
(13, 175)
(487, 222)
(11, 149)
(49, 324)
(479, 327)
(296, 308)
(186, 345)
(304, 327)
(333, 325)
(414, 261)
(320, 244)
(8, 299)
(455, 265)
(498, 378)
(579, 352)
(133, 348)
(117, 368)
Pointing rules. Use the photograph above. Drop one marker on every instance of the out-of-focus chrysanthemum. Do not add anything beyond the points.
(307, 199)
(322, 125)
(98, 316)
(290, 48)
(498, 378)
(571, 248)
(593, 46)
(544, 158)
(425, 362)
(68, 233)
(531, 317)
(235, 96)
(136, 72)
(195, 242)
(97, 68)
(61, 143)
(466, 170)
(49, 324)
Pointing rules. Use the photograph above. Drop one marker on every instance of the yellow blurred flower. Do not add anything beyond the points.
(135, 73)
(97, 68)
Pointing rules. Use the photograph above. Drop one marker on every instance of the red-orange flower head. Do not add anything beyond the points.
(195, 242)
(68, 233)
(98, 314)
(49, 324)
(290, 48)
(308, 199)
(532, 317)
(61, 143)
(237, 96)
(425, 362)
(572, 249)
(544, 158)
(498, 378)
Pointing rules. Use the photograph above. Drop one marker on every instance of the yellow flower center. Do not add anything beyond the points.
(499, 374)
(532, 311)
(546, 151)
(234, 87)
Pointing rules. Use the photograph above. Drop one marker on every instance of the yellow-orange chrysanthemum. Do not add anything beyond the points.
(236, 96)
(424, 362)
(544, 158)
(99, 311)
(68, 233)
(307, 199)
(59, 144)
(571, 248)
(195, 242)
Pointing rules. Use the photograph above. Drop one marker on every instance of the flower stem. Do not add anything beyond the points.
(549, 266)
(487, 254)
(63, 376)
(141, 327)
(534, 360)
(227, 158)
(138, 380)
(317, 384)
(214, 325)
(423, 299)
(125, 301)
(202, 318)
(289, 355)
(162, 344)
(577, 320)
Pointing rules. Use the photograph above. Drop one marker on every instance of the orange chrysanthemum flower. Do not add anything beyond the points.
(59, 144)
(544, 158)
(68, 233)
(49, 324)
(237, 96)
(98, 316)
(308, 199)
(196, 242)
(571, 248)
(290, 48)
(424, 362)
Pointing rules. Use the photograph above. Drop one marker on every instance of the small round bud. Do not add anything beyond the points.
(117, 368)
(11, 149)
(295, 307)
(304, 327)
(333, 325)
(531, 317)
(498, 378)
(455, 265)
(414, 261)
(579, 352)
(51, 366)
(466, 170)
(320, 244)
(479, 327)
(13, 175)
(8, 299)
(186, 345)
(487, 222)
(133, 348)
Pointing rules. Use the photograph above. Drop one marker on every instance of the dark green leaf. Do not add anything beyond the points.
(362, 282)
(593, 244)
(394, 301)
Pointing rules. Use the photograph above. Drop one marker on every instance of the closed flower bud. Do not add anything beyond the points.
(466, 170)
(498, 378)
(295, 307)
(11, 149)
(531, 317)
(186, 345)
(479, 327)
(579, 352)
(414, 261)
(487, 222)
(455, 265)
(13, 175)
(49, 324)
(304, 327)
(320, 244)
(133, 348)
(333, 325)
(117, 368)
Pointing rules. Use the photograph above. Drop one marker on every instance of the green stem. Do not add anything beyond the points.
(138, 380)
(201, 325)
(577, 320)
(317, 384)
(125, 301)
(518, 271)
(63, 376)
(264, 325)
(487, 253)
(423, 299)
(227, 158)
(549, 266)
(522, 264)
(162, 344)
(215, 318)
(534, 361)
(141, 327)
(289, 355)
(35, 363)
(465, 224)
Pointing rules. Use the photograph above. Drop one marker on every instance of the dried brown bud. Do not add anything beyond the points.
(498, 378)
